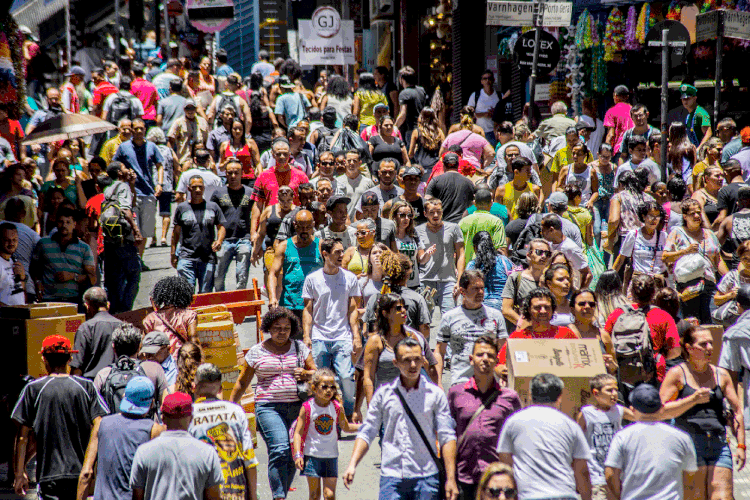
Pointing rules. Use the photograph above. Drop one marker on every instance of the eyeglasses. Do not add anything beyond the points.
(363, 233)
(328, 163)
(542, 253)
(404, 216)
(495, 492)
(586, 303)
(326, 387)
(653, 217)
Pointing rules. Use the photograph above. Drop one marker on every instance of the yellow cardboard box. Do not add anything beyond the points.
(574, 361)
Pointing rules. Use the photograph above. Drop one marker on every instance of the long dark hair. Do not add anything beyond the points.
(484, 252)
(338, 87)
(385, 303)
(680, 146)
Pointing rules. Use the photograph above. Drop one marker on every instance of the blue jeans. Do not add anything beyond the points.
(274, 421)
(417, 488)
(601, 222)
(196, 270)
(233, 250)
(122, 275)
(444, 295)
(337, 355)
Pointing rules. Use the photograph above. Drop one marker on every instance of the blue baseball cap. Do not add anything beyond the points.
(139, 394)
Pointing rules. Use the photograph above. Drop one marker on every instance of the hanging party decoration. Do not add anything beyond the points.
(630, 30)
(642, 25)
(674, 11)
(614, 34)
(708, 5)
(12, 66)
(584, 31)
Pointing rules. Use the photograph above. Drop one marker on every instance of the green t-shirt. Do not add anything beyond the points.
(497, 209)
(695, 122)
(481, 220)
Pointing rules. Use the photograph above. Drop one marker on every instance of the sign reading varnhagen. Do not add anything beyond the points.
(522, 13)
(326, 39)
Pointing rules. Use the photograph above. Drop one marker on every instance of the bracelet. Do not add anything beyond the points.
(298, 455)
(741, 446)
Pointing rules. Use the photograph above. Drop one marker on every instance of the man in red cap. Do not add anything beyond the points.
(61, 409)
(157, 475)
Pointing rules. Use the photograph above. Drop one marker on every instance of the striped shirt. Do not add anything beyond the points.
(52, 259)
(275, 372)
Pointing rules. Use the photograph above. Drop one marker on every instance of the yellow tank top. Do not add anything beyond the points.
(510, 197)
(358, 264)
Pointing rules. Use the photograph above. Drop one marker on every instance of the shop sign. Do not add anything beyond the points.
(737, 24)
(329, 42)
(706, 26)
(549, 52)
(210, 16)
(522, 13)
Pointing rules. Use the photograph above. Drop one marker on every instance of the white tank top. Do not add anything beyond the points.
(583, 180)
(321, 439)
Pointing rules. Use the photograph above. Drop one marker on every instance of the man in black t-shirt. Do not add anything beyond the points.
(236, 205)
(61, 409)
(199, 228)
(411, 100)
(453, 189)
(726, 201)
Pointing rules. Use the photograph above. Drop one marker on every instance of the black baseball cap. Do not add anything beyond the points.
(369, 199)
(645, 398)
(335, 200)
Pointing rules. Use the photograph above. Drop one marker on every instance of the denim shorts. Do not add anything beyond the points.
(321, 467)
(712, 451)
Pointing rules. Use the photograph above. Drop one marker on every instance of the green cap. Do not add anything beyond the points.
(687, 91)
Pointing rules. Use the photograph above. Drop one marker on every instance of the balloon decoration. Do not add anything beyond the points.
(614, 34)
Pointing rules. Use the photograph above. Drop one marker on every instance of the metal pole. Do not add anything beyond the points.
(117, 29)
(664, 94)
(166, 28)
(719, 49)
(68, 45)
(535, 60)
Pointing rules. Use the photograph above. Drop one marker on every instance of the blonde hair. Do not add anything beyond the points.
(395, 270)
(491, 471)
(468, 119)
(189, 358)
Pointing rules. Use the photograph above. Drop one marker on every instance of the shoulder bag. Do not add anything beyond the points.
(438, 461)
(485, 404)
(303, 388)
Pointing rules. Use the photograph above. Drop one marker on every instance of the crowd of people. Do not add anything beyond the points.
(367, 214)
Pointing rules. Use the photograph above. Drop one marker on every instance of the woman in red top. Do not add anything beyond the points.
(244, 150)
(538, 309)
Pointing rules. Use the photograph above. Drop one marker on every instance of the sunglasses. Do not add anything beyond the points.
(542, 253)
(325, 387)
(586, 303)
(327, 163)
(404, 216)
(495, 492)
(363, 233)
(400, 307)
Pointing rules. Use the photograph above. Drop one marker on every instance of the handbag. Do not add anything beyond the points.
(727, 314)
(303, 388)
(689, 267)
(435, 458)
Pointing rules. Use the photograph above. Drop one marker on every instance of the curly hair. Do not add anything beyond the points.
(172, 291)
(429, 131)
(468, 118)
(537, 293)
(189, 358)
(396, 267)
(338, 87)
(277, 313)
(688, 204)
(485, 254)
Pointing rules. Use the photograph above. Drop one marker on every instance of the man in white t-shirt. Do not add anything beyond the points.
(484, 102)
(211, 181)
(638, 150)
(330, 322)
(542, 435)
(649, 459)
(552, 231)
(12, 274)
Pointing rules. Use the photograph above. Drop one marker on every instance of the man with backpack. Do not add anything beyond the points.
(642, 357)
(122, 104)
(112, 380)
(120, 233)
(229, 97)
(484, 101)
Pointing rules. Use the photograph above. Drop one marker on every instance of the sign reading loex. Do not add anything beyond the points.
(549, 52)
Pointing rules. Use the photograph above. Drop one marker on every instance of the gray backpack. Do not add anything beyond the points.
(631, 335)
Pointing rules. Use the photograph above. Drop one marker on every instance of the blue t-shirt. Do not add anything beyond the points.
(497, 209)
(142, 159)
(225, 70)
(292, 106)
(494, 282)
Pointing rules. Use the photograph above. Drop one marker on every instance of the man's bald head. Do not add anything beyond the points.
(96, 298)
(304, 216)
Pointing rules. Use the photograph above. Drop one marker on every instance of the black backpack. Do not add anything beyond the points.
(122, 107)
(115, 227)
(520, 248)
(113, 389)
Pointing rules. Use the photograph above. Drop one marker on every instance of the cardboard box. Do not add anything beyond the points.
(42, 310)
(27, 336)
(574, 361)
(223, 357)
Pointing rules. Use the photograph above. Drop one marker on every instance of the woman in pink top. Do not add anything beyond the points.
(617, 118)
(171, 298)
(476, 149)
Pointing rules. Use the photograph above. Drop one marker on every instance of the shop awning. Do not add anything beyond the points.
(32, 13)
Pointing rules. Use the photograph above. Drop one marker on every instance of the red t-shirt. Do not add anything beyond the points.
(145, 91)
(663, 334)
(464, 168)
(101, 92)
(267, 185)
(10, 130)
(554, 332)
(94, 210)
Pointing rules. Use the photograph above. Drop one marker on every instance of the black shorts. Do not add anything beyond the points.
(165, 204)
